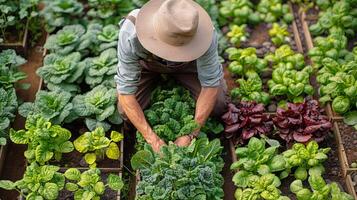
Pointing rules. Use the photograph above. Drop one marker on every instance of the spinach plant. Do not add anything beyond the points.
(238, 12)
(250, 89)
(191, 172)
(38, 182)
(237, 34)
(95, 144)
(279, 34)
(273, 10)
(89, 184)
(44, 140)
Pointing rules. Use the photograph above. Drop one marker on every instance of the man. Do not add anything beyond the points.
(174, 37)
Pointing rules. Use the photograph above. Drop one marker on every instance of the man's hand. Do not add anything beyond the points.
(183, 141)
(156, 142)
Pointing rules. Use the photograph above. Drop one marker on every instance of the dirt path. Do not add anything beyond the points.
(14, 162)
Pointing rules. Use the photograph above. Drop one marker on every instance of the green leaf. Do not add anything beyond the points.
(90, 158)
(142, 159)
(7, 185)
(113, 151)
(42, 154)
(2, 141)
(99, 188)
(115, 182)
(72, 174)
(50, 191)
(116, 136)
(71, 187)
(350, 118)
(18, 137)
(66, 147)
(296, 186)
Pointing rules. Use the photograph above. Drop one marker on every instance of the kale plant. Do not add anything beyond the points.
(39, 182)
(97, 107)
(95, 144)
(89, 184)
(44, 140)
(54, 106)
(191, 172)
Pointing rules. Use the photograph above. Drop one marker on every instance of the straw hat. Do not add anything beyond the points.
(175, 30)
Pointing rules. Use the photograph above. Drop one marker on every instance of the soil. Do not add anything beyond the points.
(14, 158)
(108, 194)
(227, 174)
(349, 141)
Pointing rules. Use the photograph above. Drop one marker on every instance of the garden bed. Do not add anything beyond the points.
(19, 46)
(351, 182)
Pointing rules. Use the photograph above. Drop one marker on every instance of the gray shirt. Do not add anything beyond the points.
(130, 51)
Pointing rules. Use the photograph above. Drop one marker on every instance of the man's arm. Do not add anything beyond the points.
(136, 115)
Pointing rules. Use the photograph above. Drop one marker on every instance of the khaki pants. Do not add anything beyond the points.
(185, 74)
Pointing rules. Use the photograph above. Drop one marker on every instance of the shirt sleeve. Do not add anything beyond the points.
(209, 68)
(128, 70)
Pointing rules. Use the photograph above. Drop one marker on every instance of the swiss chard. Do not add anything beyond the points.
(95, 144)
(44, 140)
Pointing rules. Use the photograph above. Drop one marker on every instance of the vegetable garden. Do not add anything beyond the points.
(289, 132)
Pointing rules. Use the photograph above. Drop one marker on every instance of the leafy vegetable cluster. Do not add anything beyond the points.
(246, 120)
(95, 144)
(250, 89)
(279, 34)
(89, 184)
(273, 10)
(9, 68)
(44, 140)
(38, 182)
(8, 106)
(245, 62)
(238, 34)
(191, 172)
(302, 122)
(342, 14)
(285, 56)
(238, 12)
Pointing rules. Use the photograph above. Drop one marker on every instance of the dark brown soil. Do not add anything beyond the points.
(227, 174)
(14, 162)
(108, 194)
(349, 141)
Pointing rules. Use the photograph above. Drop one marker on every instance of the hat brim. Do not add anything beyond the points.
(188, 52)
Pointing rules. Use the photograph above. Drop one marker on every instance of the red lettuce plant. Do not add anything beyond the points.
(246, 120)
(302, 122)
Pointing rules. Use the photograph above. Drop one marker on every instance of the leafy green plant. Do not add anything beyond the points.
(8, 105)
(101, 69)
(273, 10)
(171, 113)
(109, 11)
(38, 182)
(237, 34)
(320, 190)
(238, 12)
(9, 69)
(332, 46)
(89, 184)
(191, 172)
(60, 13)
(245, 62)
(263, 187)
(306, 159)
(95, 144)
(338, 84)
(108, 37)
(292, 84)
(62, 72)
(341, 14)
(256, 159)
(14, 16)
(97, 106)
(65, 40)
(54, 106)
(285, 56)
(279, 34)
(250, 89)
(44, 140)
